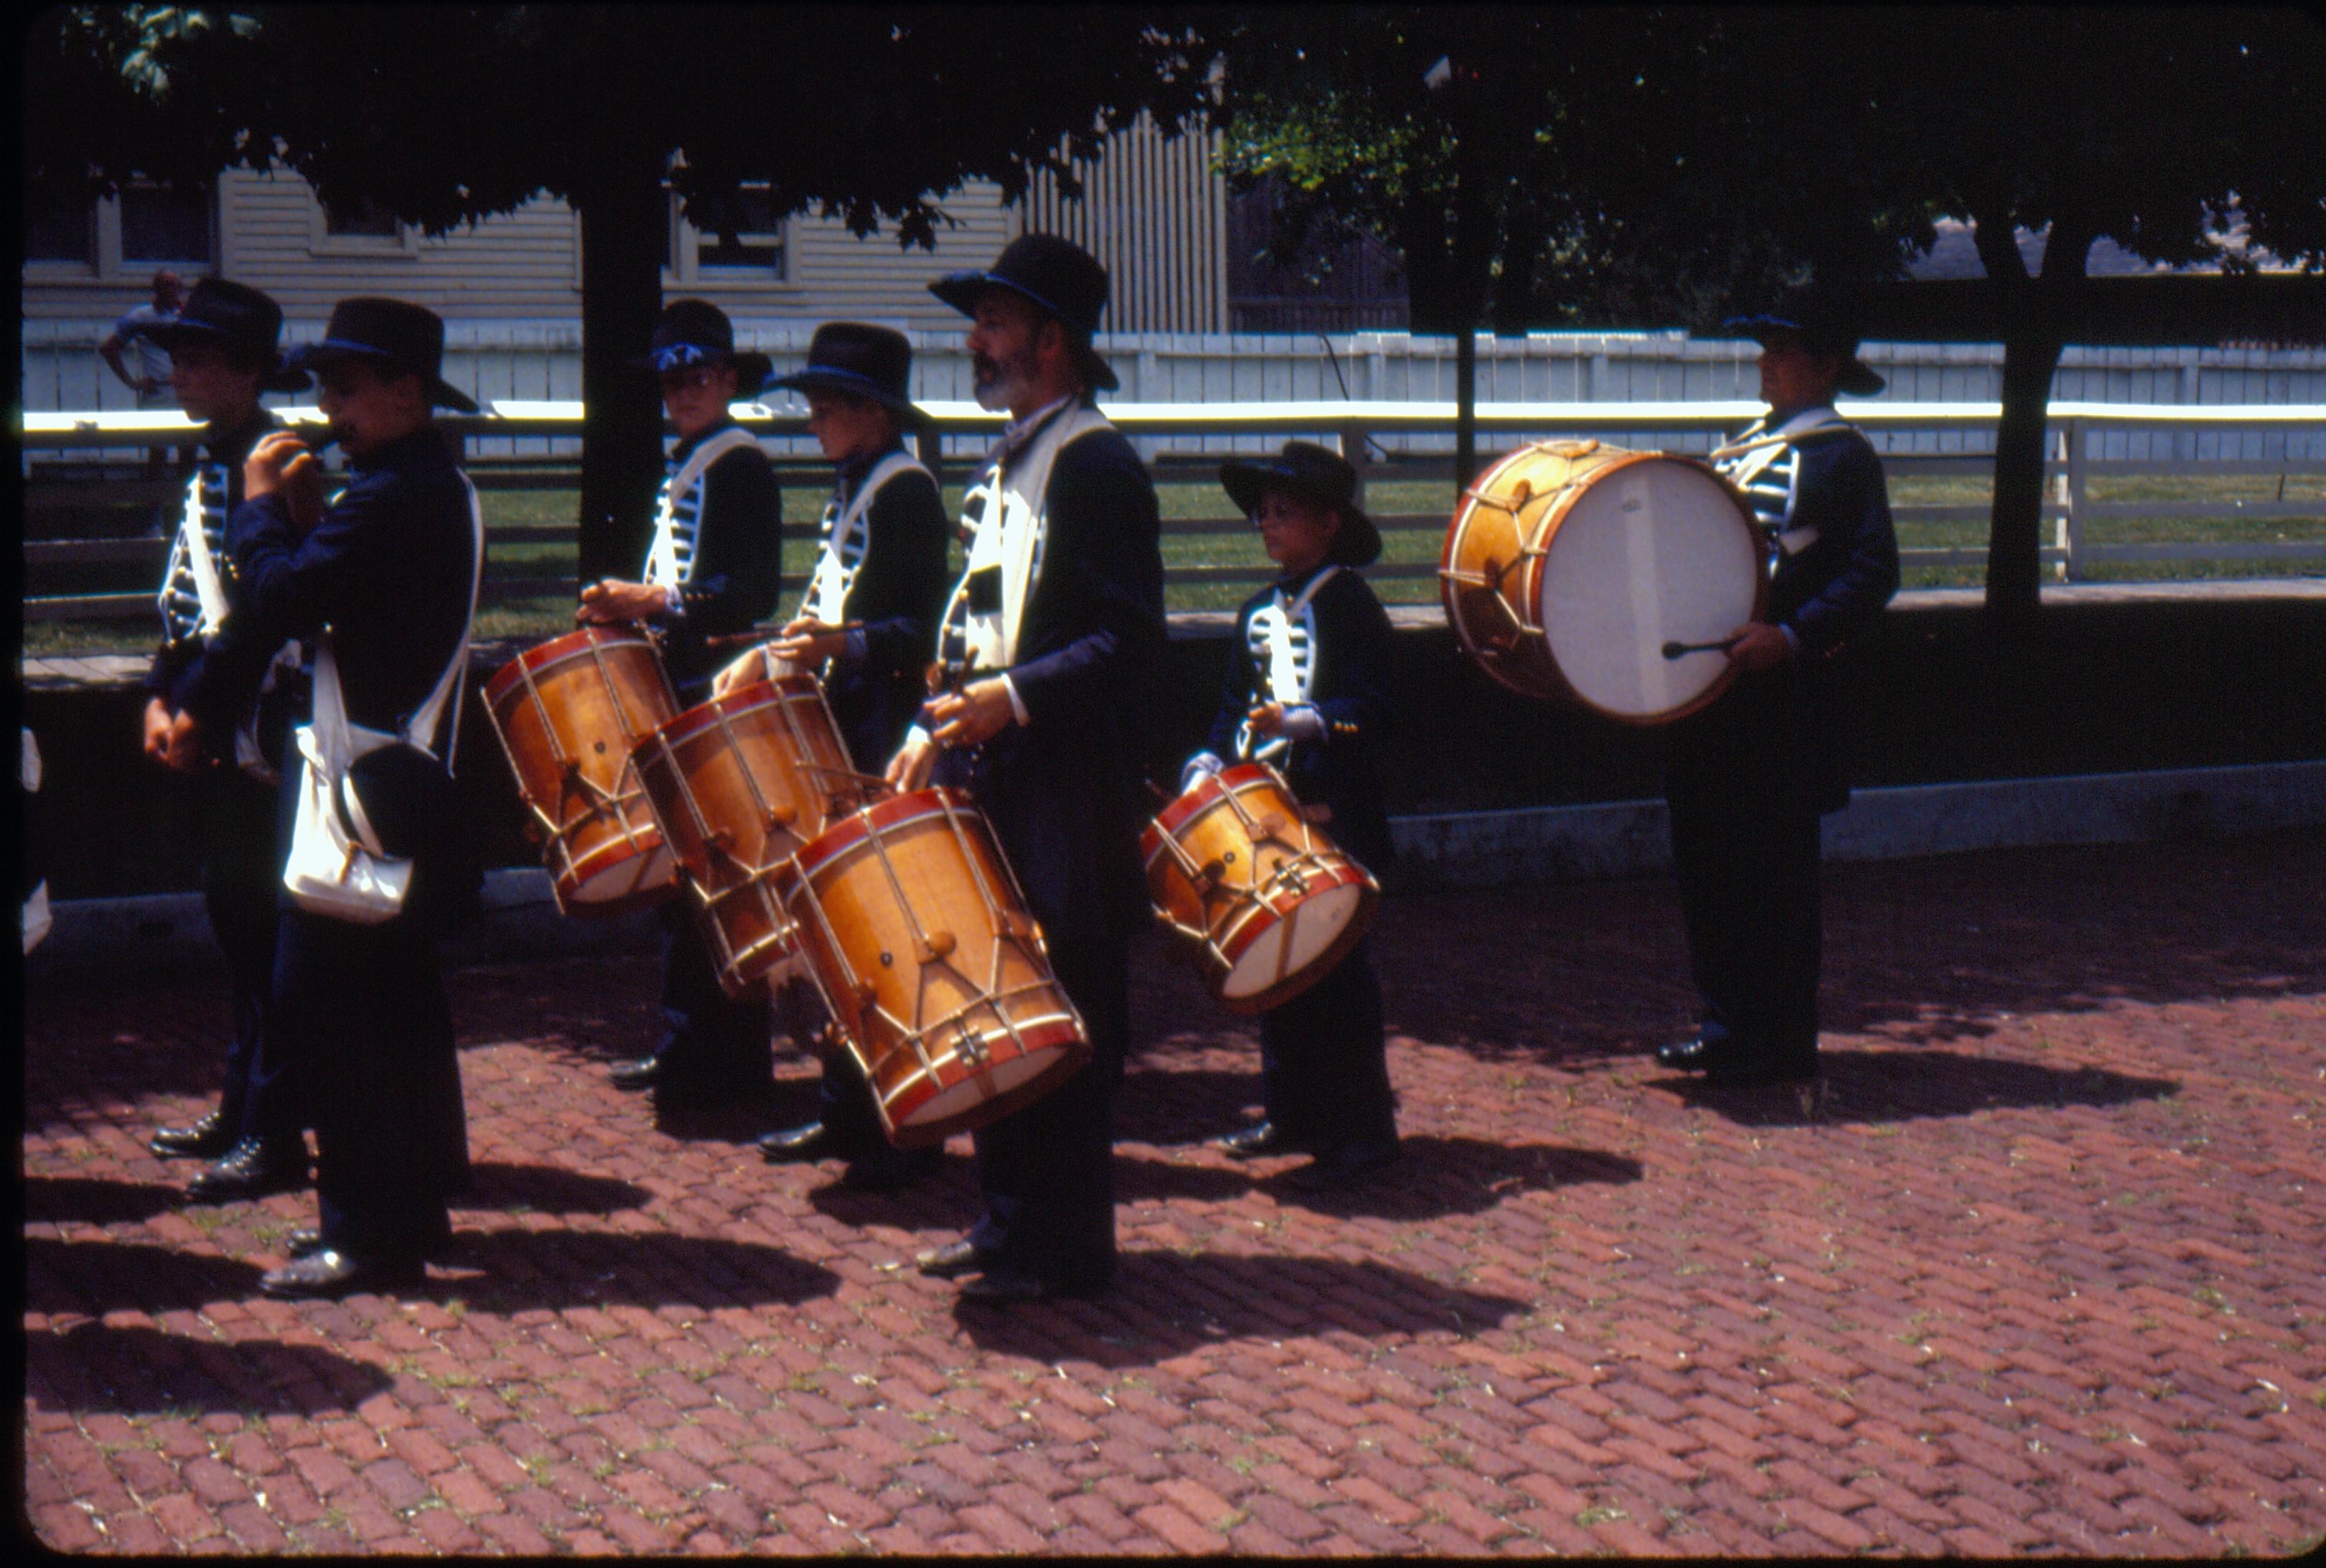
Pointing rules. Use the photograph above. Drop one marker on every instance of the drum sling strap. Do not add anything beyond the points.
(1287, 631)
(847, 539)
(670, 560)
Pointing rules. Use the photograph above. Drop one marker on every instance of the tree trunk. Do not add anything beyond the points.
(625, 222)
(1465, 410)
(2030, 353)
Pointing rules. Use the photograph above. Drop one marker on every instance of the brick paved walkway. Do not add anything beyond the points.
(2043, 1274)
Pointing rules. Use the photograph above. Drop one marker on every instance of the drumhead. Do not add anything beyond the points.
(626, 875)
(1653, 551)
(1307, 930)
(999, 1080)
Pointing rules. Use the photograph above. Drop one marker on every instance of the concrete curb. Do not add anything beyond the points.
(168, 934)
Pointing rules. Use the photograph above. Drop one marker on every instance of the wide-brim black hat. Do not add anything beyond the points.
(698, 333)
(1826, 318)
(858, 359)
(1316, 474)
(394, 334)
(233, 317)
(1057, 275)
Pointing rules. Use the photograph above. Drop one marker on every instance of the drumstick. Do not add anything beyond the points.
(1676, 649)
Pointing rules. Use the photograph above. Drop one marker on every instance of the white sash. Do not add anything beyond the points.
(1287, 683)
(327, 873)
(826, 598)
(195, 540)
(1745, 458)
(1005, 512)
(662, 558)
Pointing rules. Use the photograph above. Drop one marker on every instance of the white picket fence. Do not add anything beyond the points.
(540, 360)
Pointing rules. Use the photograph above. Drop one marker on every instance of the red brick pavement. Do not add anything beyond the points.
(2042, 1273)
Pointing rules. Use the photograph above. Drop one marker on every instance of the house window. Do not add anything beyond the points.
(125, 237)
(161, 224)
(755, 252)
(366, 219)
(362, 228)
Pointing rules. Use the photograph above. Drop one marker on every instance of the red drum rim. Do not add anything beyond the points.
(554, 650)
(1061, 1036)
(1202, 795)
(743, 699)
(1249, 929)
(860, 825)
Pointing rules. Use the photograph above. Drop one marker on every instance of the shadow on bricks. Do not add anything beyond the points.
(92, 1200)
(547, 1189)
(1438, 1176)
(519, 1269)
(1900, 1085)
(140, 1371)
(1165, 1304)
(98, 1276)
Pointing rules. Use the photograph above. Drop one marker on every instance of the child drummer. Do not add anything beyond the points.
(1307, 691)
(865, 624)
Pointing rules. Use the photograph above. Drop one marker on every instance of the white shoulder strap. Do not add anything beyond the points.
(662, 557)
(208, 586)
(833, 576)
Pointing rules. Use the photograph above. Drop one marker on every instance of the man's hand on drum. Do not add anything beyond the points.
(973, 714)
(604, 603)
(909, 768)
(807, 643)
(281, 461)
(1265, 719)
(742, 672)
(1759, 645)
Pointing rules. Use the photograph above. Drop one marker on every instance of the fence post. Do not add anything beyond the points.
(1353, 453)
(2072, 494)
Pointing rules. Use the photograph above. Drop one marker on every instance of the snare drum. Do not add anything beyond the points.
(738, 785)
(1570, 567)
(567, 713)
(915, 931)
(1270, 901)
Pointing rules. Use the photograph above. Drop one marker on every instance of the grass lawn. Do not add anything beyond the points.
(1189, 499)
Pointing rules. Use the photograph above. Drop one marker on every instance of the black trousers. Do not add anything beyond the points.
(707, 1037)
(242, 868)
(1048, 1169)
(365, 1010)
(1748, 895)
(1324, 1061)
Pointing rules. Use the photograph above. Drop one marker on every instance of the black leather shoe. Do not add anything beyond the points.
(1346, 1167)
(890, 1169)
(207, 1139)
(809, 1141)
(251, 1169)
(1002, 1285)
(954, 1257)
(1693, 1055)
(302, 1241)
(1260, 1139)
(329, 1274)
(642, 1074)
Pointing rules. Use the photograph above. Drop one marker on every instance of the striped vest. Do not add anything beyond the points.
(184, 612)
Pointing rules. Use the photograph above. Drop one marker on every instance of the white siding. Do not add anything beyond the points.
(1155, 214)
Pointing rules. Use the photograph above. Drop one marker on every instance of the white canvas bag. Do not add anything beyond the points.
(328, 872)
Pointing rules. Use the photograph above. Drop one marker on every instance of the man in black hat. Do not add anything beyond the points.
(1308, 690)
(1750, 777)
(390, 566)
(222, 350)
(865, 624)
(1049, 649)
(714, 569)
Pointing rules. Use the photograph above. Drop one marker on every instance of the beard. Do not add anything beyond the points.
(1000, 383)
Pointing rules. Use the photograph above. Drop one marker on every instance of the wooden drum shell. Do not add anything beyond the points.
(737, 786)
(1232, 860)
(915, 929)
(567, 713)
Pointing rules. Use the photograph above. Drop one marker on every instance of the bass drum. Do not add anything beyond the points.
(1586, 575)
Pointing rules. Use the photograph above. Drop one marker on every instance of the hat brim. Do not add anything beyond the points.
(1857, 378)
(960, 290)
(310, 358)
(1357, 544)
(821, 378)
